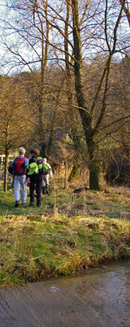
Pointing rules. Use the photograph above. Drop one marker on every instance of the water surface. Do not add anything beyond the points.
(101, 297)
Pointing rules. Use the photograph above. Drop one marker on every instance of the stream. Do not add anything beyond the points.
(100, 297)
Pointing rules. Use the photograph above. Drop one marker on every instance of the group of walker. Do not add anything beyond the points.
(34, 172)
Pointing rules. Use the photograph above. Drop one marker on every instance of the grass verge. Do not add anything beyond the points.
(62, 236)
(36, 247)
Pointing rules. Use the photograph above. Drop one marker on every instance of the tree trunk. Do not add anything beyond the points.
(94, 165)
(44, 60)
(83, 110)
(73, 174)
(65, 176)
(6, 170)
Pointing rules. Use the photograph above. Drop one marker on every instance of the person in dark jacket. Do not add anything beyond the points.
(35, 176)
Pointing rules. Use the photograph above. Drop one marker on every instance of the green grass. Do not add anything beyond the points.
(38, 243)
(107, 204)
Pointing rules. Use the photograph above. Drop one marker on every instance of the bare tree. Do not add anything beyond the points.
(71, 34)
(15, 125)
(90, 125)
(126, 9)
(31, 29)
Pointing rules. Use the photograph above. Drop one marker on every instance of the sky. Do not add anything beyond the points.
(26, 52)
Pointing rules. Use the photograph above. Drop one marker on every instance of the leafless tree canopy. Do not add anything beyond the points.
(73, 58)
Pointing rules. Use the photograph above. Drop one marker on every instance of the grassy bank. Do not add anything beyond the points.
(63, 236)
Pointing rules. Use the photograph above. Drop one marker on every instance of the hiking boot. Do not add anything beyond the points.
(31, 204)
(23, 204)
(43, 189)
(16, 204)
(47, 189)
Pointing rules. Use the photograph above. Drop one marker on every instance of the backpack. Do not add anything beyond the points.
(19, 167)
(32, 169)
(39, 161)
(38, 167)
(11, 169)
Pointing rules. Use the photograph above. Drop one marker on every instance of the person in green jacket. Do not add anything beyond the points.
(35, 175)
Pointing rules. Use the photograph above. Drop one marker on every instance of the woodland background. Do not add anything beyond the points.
(64, 86)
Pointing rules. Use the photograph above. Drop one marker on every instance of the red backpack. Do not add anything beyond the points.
(19, 167)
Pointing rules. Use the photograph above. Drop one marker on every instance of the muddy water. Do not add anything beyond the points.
(99, 298)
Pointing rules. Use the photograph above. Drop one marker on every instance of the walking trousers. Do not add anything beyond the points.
(20, 181)
(35, 183)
